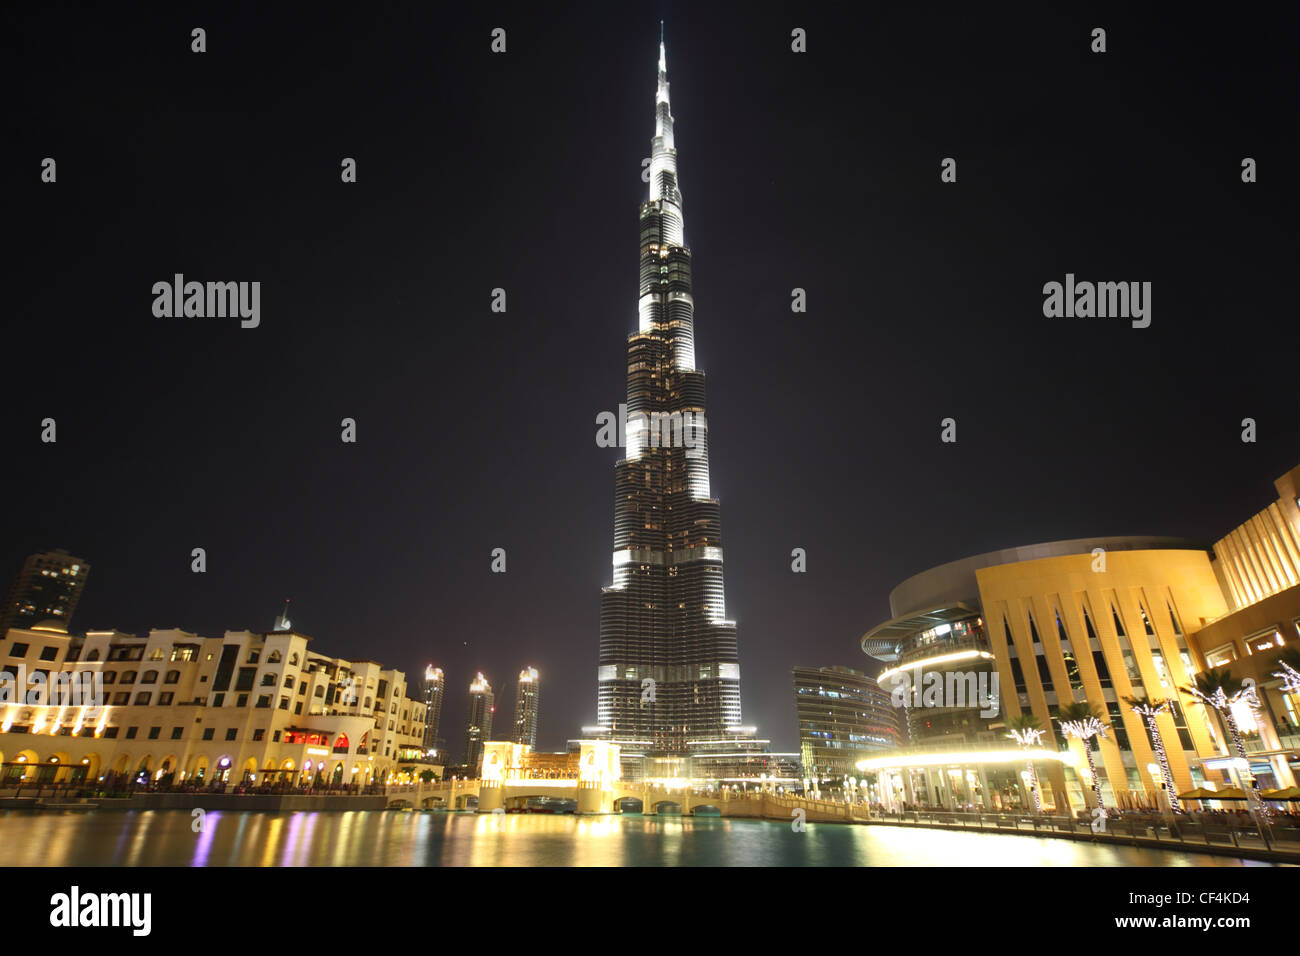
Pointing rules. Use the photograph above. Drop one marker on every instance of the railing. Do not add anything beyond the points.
(1181, 831)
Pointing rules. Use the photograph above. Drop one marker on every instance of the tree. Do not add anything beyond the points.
(1083, 722)
(428, 776)
(1150, 710)
(1026, 731)
(1289, 661)
(1218, 689)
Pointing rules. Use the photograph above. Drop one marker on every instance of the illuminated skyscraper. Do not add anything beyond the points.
(669, 671)
(527, 700)
(47, 588)
(479, 726)
(843, 717)
(433, 687)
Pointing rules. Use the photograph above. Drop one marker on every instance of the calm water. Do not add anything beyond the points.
(394, 838)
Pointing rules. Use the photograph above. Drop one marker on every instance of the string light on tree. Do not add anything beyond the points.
(1030, 738)
(1151, 711)
(1084, 729)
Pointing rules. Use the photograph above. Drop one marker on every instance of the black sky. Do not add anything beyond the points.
(522, 171)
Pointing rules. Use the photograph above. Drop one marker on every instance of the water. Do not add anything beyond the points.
(395, 838)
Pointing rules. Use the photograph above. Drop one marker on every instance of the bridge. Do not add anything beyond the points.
(509, 783)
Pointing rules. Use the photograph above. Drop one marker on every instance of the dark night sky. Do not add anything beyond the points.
(476, 430)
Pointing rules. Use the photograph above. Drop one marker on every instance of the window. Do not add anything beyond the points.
(150, 677)
(245, 679)
(122, 699)
(176, 732)
(319, 692)
(275, 736)
(259, 733)
(142, 699)
(93, 655)
(184, 652)
(264, 700)
(288, 681)
(110, 733)
(274, 657)
(241, 700)
(154, 732)
(207, 732)
(218, 700)
(18, 650)
(110, 677)
(230, 733)
(1103, 672)
(157, 654)
(172, 677)
(165, 700)
(49, 653)
(284, 703)
(268, 680)
(131, 732)
(302, 687)
(128, 677)
(293, 659)
(253, 657)
(297, 708)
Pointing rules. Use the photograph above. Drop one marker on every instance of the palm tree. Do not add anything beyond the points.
(1218, 689)
(1026, 731)
(1289, 660)
(1083, 722)
(1150, 710)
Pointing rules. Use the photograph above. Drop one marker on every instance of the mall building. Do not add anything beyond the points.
(974, 643)
(243, 709)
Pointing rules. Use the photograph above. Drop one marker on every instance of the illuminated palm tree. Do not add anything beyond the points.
(1218, 689)
(1083, 722)
(1026, 731)
(1150, 710)
(1289, 660)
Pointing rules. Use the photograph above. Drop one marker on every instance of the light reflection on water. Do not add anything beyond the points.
(392, 838)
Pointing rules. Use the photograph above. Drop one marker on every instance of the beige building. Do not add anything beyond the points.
(1100, 621)
(246, 708)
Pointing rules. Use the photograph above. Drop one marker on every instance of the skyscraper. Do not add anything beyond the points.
(47, 588)
(527, 700)
(669, 671)
(433, 688)
(479, 726)
(844, 717)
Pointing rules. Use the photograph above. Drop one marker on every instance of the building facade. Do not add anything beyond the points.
(844, 717)
(478, 728)
(243, 709)
(1108, 622)
(669, 671)
(527, 704)
(47, 588)
(433, 691)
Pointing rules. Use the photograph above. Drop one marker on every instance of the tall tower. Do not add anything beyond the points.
(669, 669)
(527, 700)
(479, 726)
(47, 588)
(433, 687)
